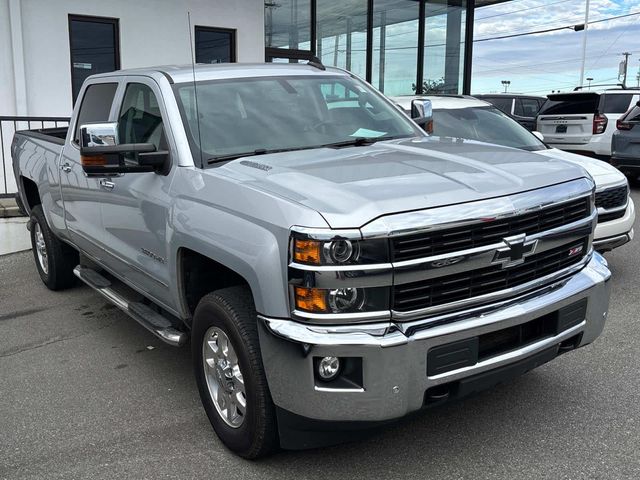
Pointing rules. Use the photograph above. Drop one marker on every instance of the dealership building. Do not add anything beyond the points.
(47, 48)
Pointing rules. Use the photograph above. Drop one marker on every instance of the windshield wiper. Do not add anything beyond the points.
(233, 156)
(358, 141)
(361, 141)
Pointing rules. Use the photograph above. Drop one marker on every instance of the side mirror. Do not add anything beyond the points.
(102, 154)
(538, 135)
(422, 113)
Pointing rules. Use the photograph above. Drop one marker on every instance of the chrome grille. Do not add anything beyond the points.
(461, 286)
(612, 197)
(487, 232)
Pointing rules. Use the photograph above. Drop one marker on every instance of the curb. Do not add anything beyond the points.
(9, 208)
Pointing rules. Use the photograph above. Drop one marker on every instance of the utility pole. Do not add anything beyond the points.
(626, 65)
(584, 42)
(638, 76)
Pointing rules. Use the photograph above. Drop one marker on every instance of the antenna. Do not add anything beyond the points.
(195, 88)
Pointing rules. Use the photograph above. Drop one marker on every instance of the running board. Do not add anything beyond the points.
(160, 326)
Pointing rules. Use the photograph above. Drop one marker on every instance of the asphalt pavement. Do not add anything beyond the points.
(85, 392)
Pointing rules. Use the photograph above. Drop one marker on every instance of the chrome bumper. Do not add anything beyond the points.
(394, 357)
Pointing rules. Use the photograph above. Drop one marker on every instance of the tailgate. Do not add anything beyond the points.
(568, 118)
(574, 129)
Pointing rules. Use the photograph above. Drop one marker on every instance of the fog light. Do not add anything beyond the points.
(328, 368)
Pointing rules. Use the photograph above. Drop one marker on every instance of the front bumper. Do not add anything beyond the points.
(394, 356)
(614, 233)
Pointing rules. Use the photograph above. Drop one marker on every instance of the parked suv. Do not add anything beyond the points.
(626, 144)
(522, 108)
(584, 122)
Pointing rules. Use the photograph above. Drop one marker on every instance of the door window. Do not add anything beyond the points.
(93, 42)
(616, 102)
(526, 107)
(96, 105)
(140, 120)
(215, 45)
(501, 103)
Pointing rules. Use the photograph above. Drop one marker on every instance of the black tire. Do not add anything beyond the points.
(61, 259)
(232, 311)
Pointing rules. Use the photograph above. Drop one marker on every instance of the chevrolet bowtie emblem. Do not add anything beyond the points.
(517, 249)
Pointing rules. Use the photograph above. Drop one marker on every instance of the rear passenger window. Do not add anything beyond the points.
(96, 105)
(140, 120)
(616, 103)
(526, 107)
(503, 104)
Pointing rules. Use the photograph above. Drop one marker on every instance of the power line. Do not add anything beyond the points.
(522, 10)
(553, 29)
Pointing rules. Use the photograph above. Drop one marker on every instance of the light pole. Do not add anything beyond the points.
(505, 84)
(584, 41)
(589, 79)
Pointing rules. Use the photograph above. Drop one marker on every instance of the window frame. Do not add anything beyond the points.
(82, 96)
(234, 40)
(94, 19)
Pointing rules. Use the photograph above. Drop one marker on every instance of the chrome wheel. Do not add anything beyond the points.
(224, 378)
(41, 248)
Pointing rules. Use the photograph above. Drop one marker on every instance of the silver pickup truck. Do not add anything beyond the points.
(334, 267)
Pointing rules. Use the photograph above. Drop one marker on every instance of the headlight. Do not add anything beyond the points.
(338, 276)
(338, 251)
(341, 300)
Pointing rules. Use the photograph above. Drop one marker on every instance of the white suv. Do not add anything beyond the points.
(584, 121)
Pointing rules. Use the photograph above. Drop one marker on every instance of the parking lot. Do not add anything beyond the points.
(87, 393)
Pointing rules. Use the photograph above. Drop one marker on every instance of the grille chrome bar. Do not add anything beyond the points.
(492, 297)
(466, 260)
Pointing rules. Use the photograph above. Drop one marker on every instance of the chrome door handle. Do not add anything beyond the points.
(106, 184)
(65, 167)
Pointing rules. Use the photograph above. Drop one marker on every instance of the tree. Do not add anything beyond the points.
(431, 86)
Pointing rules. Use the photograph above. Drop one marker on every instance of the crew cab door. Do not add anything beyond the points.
(135, 206)
(83, 194)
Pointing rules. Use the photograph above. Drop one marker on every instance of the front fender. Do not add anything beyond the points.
(245, 230)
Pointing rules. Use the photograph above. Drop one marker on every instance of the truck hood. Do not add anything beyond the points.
(352, 186)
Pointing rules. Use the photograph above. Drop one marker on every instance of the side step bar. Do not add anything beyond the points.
(152, 321)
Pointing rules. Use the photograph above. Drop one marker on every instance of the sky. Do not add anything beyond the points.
(538, 64)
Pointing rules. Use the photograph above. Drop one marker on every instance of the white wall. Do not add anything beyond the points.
(152, 32)
(7, 90)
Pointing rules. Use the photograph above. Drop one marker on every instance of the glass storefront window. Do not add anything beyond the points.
(287, 24)
(382, 45)
(395, 46)
(444, 46)
(341, 29)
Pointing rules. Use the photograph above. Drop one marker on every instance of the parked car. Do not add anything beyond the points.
(334, 267)
(584, 121)
(522, 108)
(626, 144)
(473, 119)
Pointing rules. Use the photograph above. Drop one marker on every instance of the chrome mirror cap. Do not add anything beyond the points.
(99, 134)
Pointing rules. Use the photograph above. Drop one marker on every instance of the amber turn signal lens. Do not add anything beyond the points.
(93, 160)
(306, 251)
(311, 299)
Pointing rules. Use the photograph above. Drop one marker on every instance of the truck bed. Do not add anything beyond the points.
(55, 135)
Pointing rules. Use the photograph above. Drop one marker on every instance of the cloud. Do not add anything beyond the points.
(550, 61)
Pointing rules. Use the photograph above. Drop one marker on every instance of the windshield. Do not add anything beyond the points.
(240, 117)
(484, 124)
